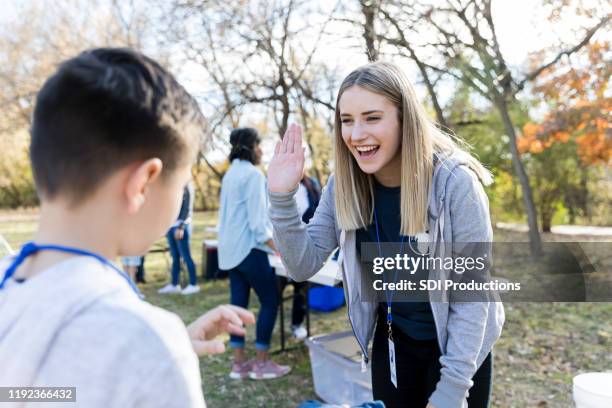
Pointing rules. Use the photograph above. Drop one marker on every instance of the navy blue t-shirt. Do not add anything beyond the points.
(415, 319)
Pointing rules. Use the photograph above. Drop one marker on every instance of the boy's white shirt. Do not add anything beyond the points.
(79, 324)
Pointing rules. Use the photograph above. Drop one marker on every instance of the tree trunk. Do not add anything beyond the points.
(571, 210)
(432, 93)
(547, 211)
(532, 220)
(546, 222)
(584, 193)
(284, 124)
(369, 9)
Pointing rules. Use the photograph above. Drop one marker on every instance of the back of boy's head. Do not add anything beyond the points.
(102, 110)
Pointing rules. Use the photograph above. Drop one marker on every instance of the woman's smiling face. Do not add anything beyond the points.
(371, 131)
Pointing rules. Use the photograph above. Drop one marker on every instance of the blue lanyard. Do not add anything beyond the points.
(388, 296)
(31, 248)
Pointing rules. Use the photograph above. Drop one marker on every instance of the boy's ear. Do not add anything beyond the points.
(139, 179)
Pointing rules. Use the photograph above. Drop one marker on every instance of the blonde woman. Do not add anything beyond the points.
(397, 178)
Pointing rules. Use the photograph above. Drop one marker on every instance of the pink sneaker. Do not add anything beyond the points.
(240, 371)
(268, 370)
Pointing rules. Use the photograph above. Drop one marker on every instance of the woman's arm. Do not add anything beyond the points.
(303, 248)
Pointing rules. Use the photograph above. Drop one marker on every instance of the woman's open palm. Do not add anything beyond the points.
(287, 166)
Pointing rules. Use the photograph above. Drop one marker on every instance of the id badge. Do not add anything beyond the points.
(392, 363)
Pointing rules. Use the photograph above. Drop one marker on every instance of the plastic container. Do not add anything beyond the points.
(336, 369)
(593, 390)
(325, 298)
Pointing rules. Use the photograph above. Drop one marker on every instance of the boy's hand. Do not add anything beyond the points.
(221, 319)
(287, 166)
(179, 233)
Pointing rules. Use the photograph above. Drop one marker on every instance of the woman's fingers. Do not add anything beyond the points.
(286, 138)
(297, 142)
(290, 137)
(302, 156)
(292, 141)
(286, 169)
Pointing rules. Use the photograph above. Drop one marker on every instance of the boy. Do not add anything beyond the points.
(113, 139)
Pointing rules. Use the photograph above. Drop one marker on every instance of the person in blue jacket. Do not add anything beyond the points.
(245, 240)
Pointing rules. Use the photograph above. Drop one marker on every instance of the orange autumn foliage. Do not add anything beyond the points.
(580, 107)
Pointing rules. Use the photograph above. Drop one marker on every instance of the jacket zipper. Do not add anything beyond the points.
(364, 355)
(436, 227)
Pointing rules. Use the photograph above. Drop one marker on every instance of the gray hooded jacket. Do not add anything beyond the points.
(458, 212)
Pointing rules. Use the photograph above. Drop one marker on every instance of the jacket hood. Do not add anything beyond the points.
(443, 170)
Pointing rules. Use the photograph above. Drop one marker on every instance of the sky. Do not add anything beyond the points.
(518, 22)
(521, 28)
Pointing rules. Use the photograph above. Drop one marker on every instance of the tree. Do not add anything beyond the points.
(267, 66)
(574, 135)
(480, 125)
(318, 141)
(370, 9)
(259, 58)
(31, 47)
(373, 13)
(468, 50)
(579, 104)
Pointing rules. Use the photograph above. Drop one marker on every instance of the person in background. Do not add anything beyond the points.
(307, 198)
(245, 239)
(131, 265)
(178, 240)
(140, 271)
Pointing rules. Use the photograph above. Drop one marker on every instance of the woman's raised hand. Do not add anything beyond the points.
(287, 166)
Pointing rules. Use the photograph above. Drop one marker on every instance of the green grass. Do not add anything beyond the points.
(542, 347)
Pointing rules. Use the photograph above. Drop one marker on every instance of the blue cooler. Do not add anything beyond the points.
(325, 298)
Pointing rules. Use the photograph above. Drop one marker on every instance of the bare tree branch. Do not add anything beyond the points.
(589, 34)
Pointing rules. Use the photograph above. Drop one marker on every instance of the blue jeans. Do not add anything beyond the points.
(180, 249)
(255, 272)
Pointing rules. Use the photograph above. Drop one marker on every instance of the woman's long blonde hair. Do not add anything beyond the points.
(354, 193)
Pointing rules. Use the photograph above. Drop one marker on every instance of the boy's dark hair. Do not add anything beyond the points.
(244, 141)
(102, 110)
